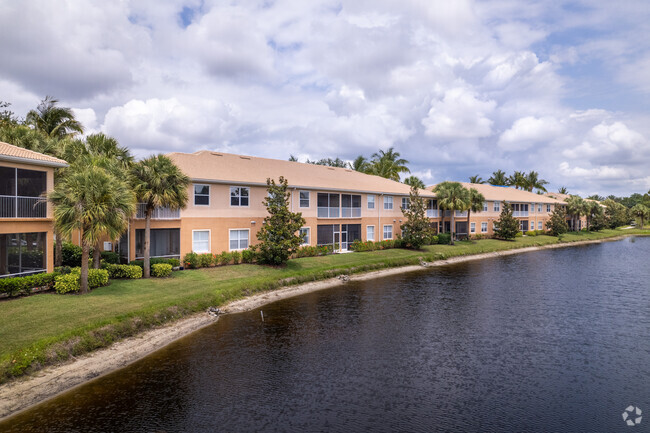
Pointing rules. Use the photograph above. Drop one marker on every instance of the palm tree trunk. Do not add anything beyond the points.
(147, 244)
(83, 278)
(58, 249)
(469, 234)
(452, 227)
(97, 255)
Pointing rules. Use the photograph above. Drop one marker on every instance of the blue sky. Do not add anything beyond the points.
(458, 88)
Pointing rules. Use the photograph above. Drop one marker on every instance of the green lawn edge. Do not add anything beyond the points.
(47, 329)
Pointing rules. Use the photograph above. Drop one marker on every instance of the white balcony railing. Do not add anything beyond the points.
(520, 213)
(159, 213)
(22, 207)
(328, 212)
(460, 214)
(351, 212)
(432, 213)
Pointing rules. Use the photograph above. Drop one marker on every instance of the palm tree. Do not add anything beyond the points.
(640, 211)
(361, 164)
(532, 180)
(108, 147)
(94, 202)
(53, 121)
(415, 182)
(388, 164)
(476, 200)
(293, 158)
(452, 196)
(476, 179)
(563, 190)
(575, 207)
(498, 178)
(517, 180)
(158, 182)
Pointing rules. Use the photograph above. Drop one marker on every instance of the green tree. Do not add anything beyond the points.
(518, 180)
(498, 178)
(575, 209)
(417, 229)
(476, 179)
(293, 158)
(52, 120)
(388, 164)
(557, 225)
(616, 214)
(414, 181)
(563, 190)
(7, 117)
(596, 197)
(94, 202)
(476, 200)
(361, 164)
(452, 196)
(338, 162)
(507, 226)
(279, 236)
(532, 181)
(640, 211)
(158, 182)
(595, 215)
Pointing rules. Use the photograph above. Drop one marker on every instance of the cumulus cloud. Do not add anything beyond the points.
(459, 114)
(528, 131)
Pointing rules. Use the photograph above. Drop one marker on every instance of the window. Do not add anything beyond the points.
(532, 208)
(24, 253)
(483, 227)
(371, 201)
(485, 206)
(201, 241)
(497, 206)
(239, 196)
(388, 202)
(548, 208)
(472, 227)
(388, 232)
(539, 207)
(350, 206)
(163, 243)
(304, 234)
(304, 198)
(238, 240)
(328, 205)
(370, 233)
(405, 203)
(539, 225)
(201, 195)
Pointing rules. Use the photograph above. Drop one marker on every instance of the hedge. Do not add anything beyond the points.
(154, 260)
(24, 285)
(125, 271)
(161, 270)
(70, 282)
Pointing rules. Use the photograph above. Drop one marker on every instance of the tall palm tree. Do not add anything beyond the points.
(452, 196)
(96, 203)
(476, 179)
(158, 182)
(517, 180)
(575, 207)
(293, 158)
(53, 121)
(640, 211)
(476, 200)
(532, 180)
(361, 164)
(563, 190)
(388, 164)
(415, 182)
(498, 178)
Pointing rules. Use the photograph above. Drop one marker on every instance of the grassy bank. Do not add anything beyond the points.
(48, 328)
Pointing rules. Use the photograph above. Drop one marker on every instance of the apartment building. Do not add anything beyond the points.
(26, 221)
(225, 209)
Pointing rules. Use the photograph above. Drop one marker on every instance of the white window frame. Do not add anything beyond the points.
(539, 208)
(540, 225)
(300, 199)
(371, 201)
(368, 237)
(485, 206)
(209, 241)
(388, 202)
(548, 208)
(200, 195)
(472, 227)
(405, 203)
(240, 196)
(496, 206)
(238, 240)
(389, 226)
(308, 229)
(484, 227)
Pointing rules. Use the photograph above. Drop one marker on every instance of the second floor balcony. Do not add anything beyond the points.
(159, 213)
(432, 213)
(22, 207)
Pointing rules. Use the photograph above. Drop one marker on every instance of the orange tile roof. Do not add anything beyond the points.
(219, 167)
(9, 152)
(507, 193)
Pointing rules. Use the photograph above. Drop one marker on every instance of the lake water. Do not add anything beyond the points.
(553, 340)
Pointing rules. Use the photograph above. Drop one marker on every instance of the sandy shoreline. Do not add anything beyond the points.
(26, 392)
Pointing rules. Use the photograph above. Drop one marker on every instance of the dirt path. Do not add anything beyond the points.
(25, 392)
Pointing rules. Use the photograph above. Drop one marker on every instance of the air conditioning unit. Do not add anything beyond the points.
(108, 246)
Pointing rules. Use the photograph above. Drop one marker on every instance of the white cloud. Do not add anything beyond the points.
(459, 114)
(528, 131)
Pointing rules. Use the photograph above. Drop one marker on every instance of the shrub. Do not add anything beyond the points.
(191, 260)
(161, 270)
(124, 271)
(224, 258)
(236, 257)
(531, 233)
(155, 260)
(63, 269)
(71, 254)
(110, 257)
(205, 260)
(67, 283)
(518, 234)
(174, 262)
(70, 282)
(24, 285)
(444, 238)
(248, 256)
(97, 278)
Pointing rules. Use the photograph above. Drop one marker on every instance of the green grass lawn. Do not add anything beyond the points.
(47, 328)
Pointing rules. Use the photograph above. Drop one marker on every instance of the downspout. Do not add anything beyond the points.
(380, 229)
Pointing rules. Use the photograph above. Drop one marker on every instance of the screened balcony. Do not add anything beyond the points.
(159, 213)
(21, 193)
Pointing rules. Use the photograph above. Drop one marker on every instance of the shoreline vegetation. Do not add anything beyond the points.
(45, 351)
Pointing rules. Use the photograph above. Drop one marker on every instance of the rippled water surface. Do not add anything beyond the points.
(554, 340)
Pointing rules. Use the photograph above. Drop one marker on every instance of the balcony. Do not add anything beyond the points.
(460, 214)
(351, 212)
(520, 213)
(328, 212)
(432, 213)
(22, 207)
(159, 213)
